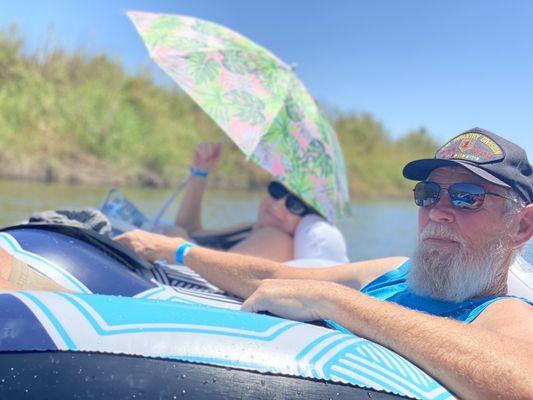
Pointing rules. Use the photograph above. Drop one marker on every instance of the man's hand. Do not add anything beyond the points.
(206, 156)
(300, 300)
(150, 245)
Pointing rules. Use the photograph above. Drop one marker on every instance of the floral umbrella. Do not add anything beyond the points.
(256, 99)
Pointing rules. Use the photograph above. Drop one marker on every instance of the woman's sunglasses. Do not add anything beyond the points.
(467, 196)
(292, 203)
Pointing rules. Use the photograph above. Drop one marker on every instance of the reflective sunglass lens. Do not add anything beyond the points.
(467, 195)
(426, 193)
(295, 206)
(277, 190)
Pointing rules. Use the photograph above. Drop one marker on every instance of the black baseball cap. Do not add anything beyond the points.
(485, 154)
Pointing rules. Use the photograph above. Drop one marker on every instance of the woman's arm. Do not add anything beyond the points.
(189, 217)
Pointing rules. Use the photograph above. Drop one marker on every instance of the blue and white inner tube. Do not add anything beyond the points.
(121, 332)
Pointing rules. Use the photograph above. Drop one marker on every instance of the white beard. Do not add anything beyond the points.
(457, 274)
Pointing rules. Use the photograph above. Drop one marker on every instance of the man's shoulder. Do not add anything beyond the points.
(508, 315)
(503, 305)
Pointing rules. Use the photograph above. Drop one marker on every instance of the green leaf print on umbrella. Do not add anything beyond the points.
(201, 69)
(321, 161)
(245, 107)
(256, 99)
(209, 29)
(274, 79)
(277, 132)
(324, 128)
(160, 32)
(184, 44)
(214, 104)
(293, 110)
(237, 62)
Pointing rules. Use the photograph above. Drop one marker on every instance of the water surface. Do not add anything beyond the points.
(372, 230)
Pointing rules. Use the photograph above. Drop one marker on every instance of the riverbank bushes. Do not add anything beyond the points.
(81, 118)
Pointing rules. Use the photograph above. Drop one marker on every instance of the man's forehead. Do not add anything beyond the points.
(456, 174)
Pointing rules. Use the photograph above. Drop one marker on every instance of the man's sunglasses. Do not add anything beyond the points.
(292, 203)
(467, 196)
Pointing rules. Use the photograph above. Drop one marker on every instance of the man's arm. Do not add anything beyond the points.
(474, 361)
(240, 274)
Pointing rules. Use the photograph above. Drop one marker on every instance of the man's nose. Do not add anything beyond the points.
(444, 210)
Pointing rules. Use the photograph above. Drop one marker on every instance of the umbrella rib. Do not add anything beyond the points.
(216, 49)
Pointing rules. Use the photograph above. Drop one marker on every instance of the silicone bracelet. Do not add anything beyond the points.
(182, 252)
(196, 172)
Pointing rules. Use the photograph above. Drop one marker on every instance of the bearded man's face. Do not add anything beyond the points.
(461, 254)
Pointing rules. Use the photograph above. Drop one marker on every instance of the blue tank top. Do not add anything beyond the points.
(392, 286)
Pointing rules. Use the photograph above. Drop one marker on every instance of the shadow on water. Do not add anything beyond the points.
(371, 229)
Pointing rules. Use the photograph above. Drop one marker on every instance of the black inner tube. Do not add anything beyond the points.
(55, 375)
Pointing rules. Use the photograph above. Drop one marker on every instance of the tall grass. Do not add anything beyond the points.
(56, 107)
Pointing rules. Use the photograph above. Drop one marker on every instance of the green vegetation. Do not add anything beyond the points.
(80, 118)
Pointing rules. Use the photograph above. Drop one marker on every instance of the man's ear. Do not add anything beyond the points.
(524, 231)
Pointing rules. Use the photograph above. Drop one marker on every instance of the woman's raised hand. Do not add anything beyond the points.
(206, 155)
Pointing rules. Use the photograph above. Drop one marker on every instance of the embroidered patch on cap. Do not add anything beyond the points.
(471, 146)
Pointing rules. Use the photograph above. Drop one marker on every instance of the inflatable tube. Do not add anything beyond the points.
(79, 259)
(107, 376)
(90, 345)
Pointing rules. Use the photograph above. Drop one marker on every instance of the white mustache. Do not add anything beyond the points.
(433, 229)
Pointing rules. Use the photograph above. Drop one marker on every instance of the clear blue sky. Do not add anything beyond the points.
(446, 65)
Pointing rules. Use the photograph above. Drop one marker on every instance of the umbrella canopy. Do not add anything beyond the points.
(256, 99)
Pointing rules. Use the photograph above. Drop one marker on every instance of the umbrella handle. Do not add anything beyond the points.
(168, 202)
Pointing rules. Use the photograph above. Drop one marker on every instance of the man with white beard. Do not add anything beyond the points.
(461, 269)
(446, 308)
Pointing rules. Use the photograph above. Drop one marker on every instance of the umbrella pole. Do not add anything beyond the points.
(168, 202)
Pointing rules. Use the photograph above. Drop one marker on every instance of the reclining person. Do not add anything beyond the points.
(292, 229)
(294, 232)
(446, 308)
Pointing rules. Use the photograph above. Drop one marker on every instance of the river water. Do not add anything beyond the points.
(372, 230)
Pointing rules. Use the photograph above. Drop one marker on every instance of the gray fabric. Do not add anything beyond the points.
(87, 218)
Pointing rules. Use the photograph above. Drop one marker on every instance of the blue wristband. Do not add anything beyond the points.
(196, 172)
(182, 252)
